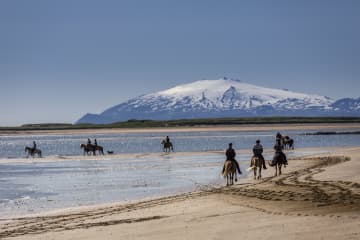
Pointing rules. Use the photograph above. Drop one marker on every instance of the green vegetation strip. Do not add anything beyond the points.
(134, 123)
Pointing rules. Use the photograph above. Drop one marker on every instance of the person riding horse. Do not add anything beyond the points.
(279, 155)
(167, 139)
(230, 155)
(258, 150)
(33, 148)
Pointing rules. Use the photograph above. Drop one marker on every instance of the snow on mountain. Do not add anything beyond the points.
(215, 98)
(348, 105)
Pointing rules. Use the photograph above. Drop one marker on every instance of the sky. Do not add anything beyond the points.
(62, 59)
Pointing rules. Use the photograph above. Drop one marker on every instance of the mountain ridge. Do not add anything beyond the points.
(223, 98)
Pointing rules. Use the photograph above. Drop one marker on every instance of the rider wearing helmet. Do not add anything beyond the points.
(230, 155)
(258, 150)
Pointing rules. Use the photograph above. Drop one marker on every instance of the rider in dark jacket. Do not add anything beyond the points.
(279, 153)
(167, 139)
(230, 155)
(258, 150)
(34, 147)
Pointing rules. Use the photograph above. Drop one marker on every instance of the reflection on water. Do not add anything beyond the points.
(13, 146)
(27, 188)
(38, 187)
(42, 186)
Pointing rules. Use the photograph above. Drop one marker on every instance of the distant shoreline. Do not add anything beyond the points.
(239, 127)
(201, 122)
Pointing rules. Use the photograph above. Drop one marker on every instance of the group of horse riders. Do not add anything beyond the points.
(257, 151)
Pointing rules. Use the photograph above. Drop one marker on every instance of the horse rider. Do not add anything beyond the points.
(230, 155)
(95, 142)
(34, 147)
(89, 141)
(167, 139)
(280, 138)
(258, 150)
(279, 153)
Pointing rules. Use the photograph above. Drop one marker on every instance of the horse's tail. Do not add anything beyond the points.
(252, 162)
(227, 168)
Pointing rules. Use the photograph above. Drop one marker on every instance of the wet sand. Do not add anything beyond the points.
(316, 197)
(244, 127)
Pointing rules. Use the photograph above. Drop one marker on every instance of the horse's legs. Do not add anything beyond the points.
(254, 172)
(276, 167)
(259, 172)
(279, 169)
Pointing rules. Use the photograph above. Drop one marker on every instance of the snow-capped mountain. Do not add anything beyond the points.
(347, 106)
(216, 98)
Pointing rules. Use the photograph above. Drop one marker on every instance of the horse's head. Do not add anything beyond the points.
(82, 145)
(163, 142)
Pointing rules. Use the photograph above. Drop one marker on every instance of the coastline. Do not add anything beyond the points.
(316, 197)
(244, 127)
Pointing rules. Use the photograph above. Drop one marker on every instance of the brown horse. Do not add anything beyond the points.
(100, 149)
(229, 172)
(256, 165)
(92, 148)
(167, 146)
(31, 152)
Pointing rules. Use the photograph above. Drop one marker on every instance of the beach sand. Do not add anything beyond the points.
(316, 197)
(166, 130)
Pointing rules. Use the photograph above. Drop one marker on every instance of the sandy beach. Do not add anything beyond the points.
(316, 197)
(245, 127)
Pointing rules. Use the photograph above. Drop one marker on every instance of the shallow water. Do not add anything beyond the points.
(13, 146)
(27, 188)
(30, 188)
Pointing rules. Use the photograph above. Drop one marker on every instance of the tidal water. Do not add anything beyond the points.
(27, 188)
(13, 146)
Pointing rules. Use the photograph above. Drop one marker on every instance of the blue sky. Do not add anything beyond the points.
(62, 59)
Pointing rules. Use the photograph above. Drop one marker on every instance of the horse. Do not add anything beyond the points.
(256, 164)
(100, 149)
(88, 148)
(288, 142)
(92, 148)
(167, 146)
(229, 172)
(32, 152)
(278, 161)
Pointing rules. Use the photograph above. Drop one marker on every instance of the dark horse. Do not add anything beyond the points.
(31, 152)
(167, 146)
(288, 143)
(92, 148)
(278, 161)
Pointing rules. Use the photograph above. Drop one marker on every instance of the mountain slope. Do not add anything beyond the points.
(215, 98)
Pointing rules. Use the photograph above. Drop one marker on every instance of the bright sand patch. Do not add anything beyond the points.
(315, 198)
